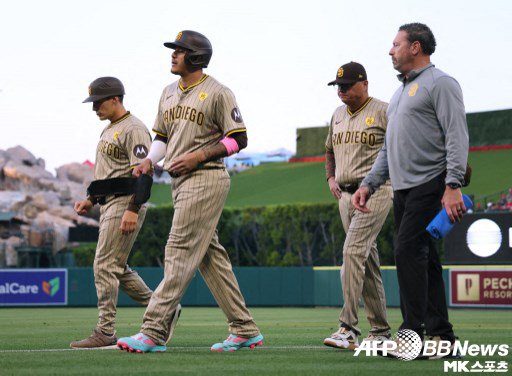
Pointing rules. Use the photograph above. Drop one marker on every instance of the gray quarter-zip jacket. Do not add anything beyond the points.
(427, 132)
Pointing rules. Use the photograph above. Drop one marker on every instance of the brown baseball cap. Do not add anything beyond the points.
(349, 73)
(104, 87)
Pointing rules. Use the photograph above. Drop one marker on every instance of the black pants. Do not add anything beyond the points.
(422, 294)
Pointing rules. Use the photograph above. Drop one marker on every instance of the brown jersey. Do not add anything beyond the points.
(356, 139)
(123, 145)
(196, 117)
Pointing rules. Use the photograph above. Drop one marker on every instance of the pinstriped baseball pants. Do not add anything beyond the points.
(360, 272)
(193, 244)
(110, 268)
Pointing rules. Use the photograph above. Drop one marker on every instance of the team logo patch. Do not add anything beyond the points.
(140, 151)
(413, 90)
(236, 115)
(116, 135)
(340, 72)
(202, 96)
(90, 90)
(369, 120)
(178, 37)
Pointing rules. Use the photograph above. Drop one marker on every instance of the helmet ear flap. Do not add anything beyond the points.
(196, 61)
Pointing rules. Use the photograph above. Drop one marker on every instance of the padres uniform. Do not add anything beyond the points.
(355, 138)
(123, 144)
(193, 118)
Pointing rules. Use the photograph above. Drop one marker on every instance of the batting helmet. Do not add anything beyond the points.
(104, 87)
(198, 48)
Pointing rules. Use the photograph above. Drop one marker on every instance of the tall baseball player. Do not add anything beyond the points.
(198, 123)
(356, 135)
(124, 143)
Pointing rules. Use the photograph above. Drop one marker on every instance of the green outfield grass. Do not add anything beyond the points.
(492, 173)
(292, 345)
(284, 183)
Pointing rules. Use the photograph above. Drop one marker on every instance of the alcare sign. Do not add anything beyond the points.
(33, 287)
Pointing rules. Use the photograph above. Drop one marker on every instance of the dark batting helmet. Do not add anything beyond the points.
(104, 87)
(198, 48)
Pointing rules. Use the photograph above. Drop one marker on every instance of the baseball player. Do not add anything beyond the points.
(124, 143)
(198, 123)
(356, 134)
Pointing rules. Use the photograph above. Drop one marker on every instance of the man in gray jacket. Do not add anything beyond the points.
(425, 155)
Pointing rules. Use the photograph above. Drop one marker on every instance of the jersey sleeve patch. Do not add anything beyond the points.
(140, 151)
(236, 115)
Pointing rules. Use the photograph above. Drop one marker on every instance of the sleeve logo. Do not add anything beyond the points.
(140, 151)
(202, 96)
(413, 90)
(236, 115)
(116, 135)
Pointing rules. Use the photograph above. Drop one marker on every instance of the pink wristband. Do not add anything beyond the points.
(230, 144)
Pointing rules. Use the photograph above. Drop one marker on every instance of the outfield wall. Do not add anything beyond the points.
(466, 286)
(290, 286)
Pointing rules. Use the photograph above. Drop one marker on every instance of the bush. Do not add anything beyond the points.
(283, 235)
(84, 254)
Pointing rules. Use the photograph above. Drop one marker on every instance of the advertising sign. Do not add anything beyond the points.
(485, 287)
(33, 287)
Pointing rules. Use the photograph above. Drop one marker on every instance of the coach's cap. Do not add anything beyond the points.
(104, 87)
(349, 73)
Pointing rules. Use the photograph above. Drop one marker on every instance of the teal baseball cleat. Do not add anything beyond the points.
(234, 343)
(139, 343)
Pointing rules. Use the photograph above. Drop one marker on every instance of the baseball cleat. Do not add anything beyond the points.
(234, 343)
(96, 339)
(342, 339)
(172, 323)
(139, 343)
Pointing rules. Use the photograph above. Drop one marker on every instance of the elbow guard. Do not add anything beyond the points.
(143, 189)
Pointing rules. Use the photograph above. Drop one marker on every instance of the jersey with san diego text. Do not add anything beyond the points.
(196, 117)
(123, 145)
(356, 139)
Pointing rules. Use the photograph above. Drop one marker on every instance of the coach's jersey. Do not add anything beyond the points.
(123, 145)
(356, 138)
(196, 117)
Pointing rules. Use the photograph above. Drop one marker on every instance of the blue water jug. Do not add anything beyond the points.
(441, 224)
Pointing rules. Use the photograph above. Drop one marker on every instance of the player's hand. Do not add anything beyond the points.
(453, 203)
(360, 198)
(186, 163)
(334, 188)
(82, 207)
(146, 167)
(128, 222)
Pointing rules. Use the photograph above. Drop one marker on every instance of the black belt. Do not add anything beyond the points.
(349, 188)
(174, 175)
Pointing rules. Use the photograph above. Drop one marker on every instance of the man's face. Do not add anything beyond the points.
(401, 53)
(104, 108)
(352, 94)
(178, 62)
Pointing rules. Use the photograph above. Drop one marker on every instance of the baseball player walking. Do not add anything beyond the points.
(356, 134)
(198, 123)
(124, 143)
(425, 154)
